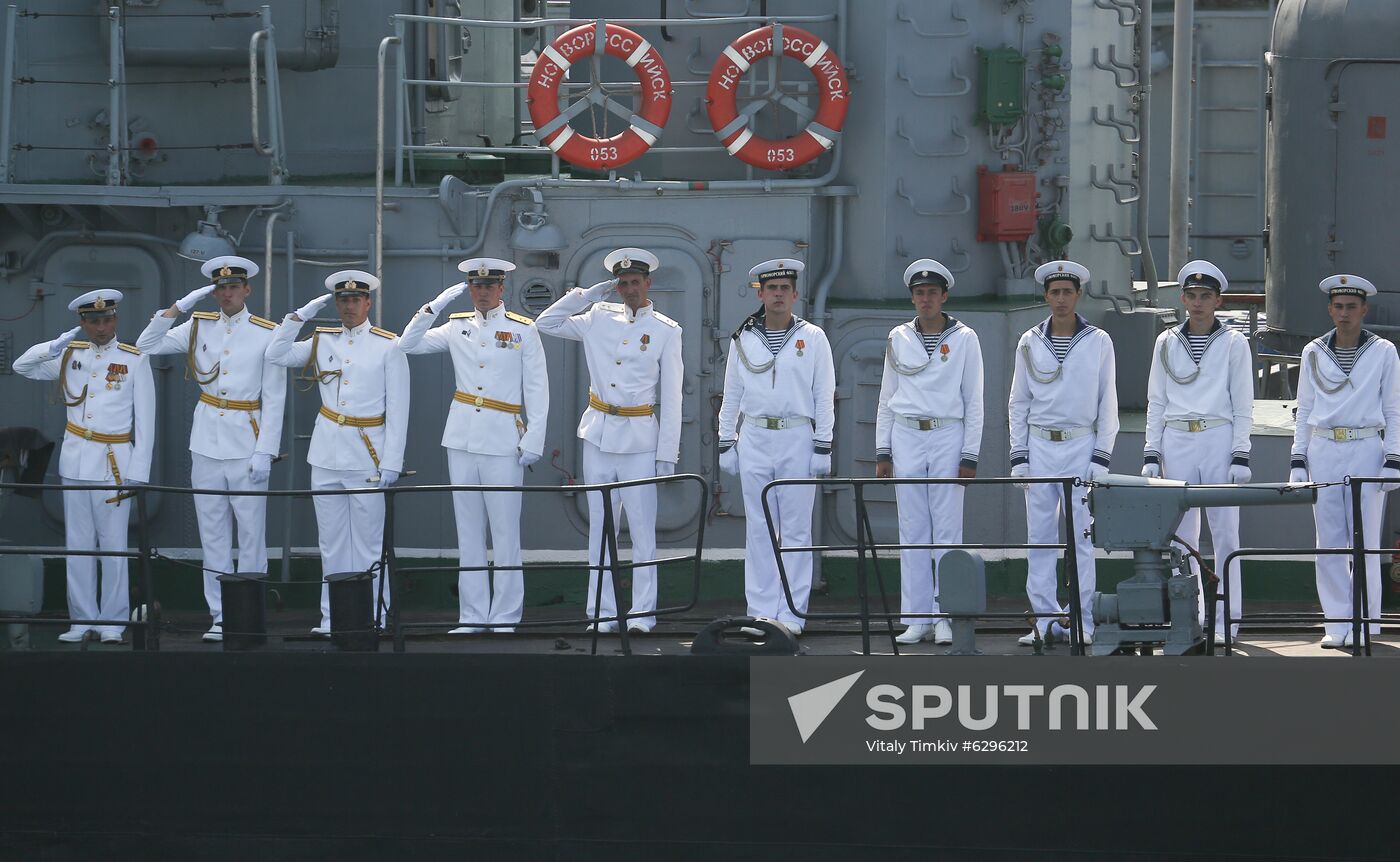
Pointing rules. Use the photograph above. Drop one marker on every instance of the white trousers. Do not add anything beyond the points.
(478, 599)
(349, 529)
(1203, 458)
(1044, 506)
(639, 502)
(92, 524)
(217, 515)
(928, 514)
(765, 455)
(1330, 461)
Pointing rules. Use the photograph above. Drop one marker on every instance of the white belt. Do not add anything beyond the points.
(1060, 435)
(777, 423)
(1345, 435)
(923, 423)
(1195, 425)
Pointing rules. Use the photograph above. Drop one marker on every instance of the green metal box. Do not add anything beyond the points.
(1000, 86)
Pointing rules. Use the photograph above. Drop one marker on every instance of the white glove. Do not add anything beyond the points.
(1152, 471)
(1298, 475)
(259, 467)
(1390, 473)
(60, 344)
(528, 458)
(191, 299)
(665, 468)
(308, 311)
(821, 464)
(1240, 474)
(445, 298)
(387, 477)
(729, 460)
(1097, 471)
(1021, 471)
(600, 291)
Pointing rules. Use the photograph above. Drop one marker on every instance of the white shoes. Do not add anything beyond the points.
(916, 632)
(76, 635)
(467, 630)
(111, 636)
(638, 629)
(604, 628)
(1334, 641)
(1054, 633)
(942, 632)
(1030, 639)
(508, 630)
(215, 634)
(793, 628)
(322, 631)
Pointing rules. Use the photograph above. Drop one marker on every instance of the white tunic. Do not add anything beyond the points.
(231, 352)
(496, 355)
(1080, 393)
(362, 374)
(633, 360)
(118, 396)
(947, 385)
(800, 382)
(1368, 397)
(1222, 387)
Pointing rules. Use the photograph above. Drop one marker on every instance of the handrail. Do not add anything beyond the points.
(379, 158)
(276, 146)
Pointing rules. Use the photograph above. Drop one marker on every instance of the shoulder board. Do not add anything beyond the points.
(332, 330)
(80, 345)
(664, 319)
(382, 333)
(206, 315)
(261, 321)
(609, 306)
(462, 315)
(519, 318)
(128, 348)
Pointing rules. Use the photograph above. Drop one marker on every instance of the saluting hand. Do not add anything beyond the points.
(600, 291)
(60, 344)
(308, 311)
(445, 298)
(191, 299)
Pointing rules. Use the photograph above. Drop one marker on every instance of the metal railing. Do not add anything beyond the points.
(867, 549)
(149, 625)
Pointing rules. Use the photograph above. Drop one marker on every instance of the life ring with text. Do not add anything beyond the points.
(820, 135)
(552, 126)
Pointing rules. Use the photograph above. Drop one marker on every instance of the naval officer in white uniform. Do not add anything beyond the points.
(359, 437)
(928, 424)
(1200, 410)
(237, 428)
(779, 387)
(634, 371)
(1348, 425)
(495, 429)
(108, 439)
(1063, 413)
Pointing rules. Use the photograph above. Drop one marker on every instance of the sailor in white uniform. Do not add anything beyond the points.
(495, 429)
(108, 439)
(1348, 425)
(634, 371)
(779, 388)
(237, 428)
(359, 437)
(928, 424)
(1063, 413)
(1200, 409)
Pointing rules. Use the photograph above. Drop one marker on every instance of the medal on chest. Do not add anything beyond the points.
(646, 339)
(943, 352)
(800, 346)
(116, 373)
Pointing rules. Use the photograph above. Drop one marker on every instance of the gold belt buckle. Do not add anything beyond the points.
(480, 401)
(1057, 436)
(223, 403)
(773, 423)
(1195, 425)
(87, 433)
(925, 424)
(1341, 435)
(612, 410)
(340, 418)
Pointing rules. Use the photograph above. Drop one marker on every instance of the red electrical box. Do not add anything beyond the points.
(1005, 205)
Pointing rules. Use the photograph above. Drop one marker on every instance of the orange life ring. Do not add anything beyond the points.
(645, 126)
(733, 130)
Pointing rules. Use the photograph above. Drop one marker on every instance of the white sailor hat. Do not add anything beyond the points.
(351, 281)
(926, 270)
(1347, 285)
(485, 270)
(1202, 273)
(637, 260)
(1057, 269)
(778, 267)
(229, 268)
(96, 303)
